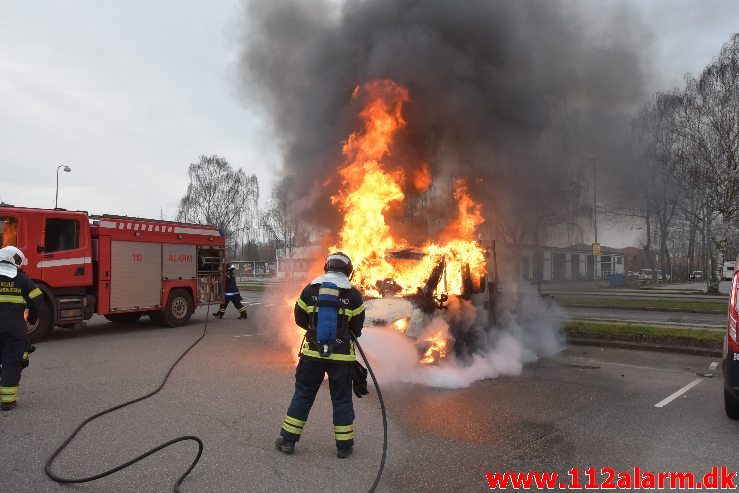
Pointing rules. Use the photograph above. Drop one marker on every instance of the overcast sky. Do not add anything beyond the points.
(129, 92)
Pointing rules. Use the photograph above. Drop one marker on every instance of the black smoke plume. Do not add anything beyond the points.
(517, 96)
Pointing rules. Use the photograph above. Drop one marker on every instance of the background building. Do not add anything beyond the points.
(574, 263)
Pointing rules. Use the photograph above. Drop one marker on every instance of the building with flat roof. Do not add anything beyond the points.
(573, 263)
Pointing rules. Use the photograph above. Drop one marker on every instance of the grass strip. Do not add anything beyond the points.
(252, 287)
(703, 306)
(579, 327)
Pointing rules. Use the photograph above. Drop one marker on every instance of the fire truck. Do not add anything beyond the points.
(119, 267)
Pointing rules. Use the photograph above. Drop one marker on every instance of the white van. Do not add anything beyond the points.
(728, 274)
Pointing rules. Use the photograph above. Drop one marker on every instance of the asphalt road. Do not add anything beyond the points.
(585, 407)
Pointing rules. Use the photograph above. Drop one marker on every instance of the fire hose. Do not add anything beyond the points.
(53, 456)
(384, 414)
(59, 479)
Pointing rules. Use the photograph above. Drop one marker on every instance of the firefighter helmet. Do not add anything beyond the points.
(11, 259)
(339, 262)
(13, 255)
(231, 267)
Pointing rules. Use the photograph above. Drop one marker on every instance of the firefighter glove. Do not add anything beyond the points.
(359, 379)
(30, 349)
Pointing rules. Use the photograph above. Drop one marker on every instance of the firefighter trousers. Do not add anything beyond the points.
(236, 300)
(12, 346)
(308, 377)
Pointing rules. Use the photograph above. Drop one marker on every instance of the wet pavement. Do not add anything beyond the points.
(584, 407)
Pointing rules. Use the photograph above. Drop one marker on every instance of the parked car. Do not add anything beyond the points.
(649, 275)
(730, 363)
(728, 270)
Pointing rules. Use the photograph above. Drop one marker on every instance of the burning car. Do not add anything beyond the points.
(411, 269)
(418, 315)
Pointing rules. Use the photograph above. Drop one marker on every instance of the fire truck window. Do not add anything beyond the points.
(62, 234)
(9, 230)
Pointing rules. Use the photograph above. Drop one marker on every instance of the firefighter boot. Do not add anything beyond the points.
(7, 397)
(285, 446)
(243, 315)
(343, 453)
(7, 406)
(218, 314)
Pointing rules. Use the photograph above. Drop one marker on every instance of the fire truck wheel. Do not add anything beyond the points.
(39, 330)
(179, 308)
(123, 318)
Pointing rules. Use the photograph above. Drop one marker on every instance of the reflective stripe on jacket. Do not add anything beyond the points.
(17, 294)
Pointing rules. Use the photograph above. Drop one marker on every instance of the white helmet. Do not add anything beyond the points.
(13, 255)
(11, 258)
(232, 267)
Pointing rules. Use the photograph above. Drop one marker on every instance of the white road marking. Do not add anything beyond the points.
(713, 365)
(677, 394)
(248, 335)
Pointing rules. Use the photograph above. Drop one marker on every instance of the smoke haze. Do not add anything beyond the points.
(515, 96)
(519, 98)
(528, 328)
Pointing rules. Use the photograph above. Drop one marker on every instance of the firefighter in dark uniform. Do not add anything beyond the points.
(17, 292)
(318, 358)
(232, 295)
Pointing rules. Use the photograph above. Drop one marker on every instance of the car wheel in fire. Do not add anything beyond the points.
(179, 308)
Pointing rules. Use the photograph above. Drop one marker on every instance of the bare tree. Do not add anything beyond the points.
(708, 129)
(220, 196)
(665, 151)
(555, 203)
(281, 220)
(647, 177)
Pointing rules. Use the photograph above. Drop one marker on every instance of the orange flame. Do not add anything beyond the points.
(371, 192)
(422, 178)
(436, 350)
(401, 325)
(469, 216)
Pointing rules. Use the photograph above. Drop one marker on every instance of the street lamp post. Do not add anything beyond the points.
(67, 169)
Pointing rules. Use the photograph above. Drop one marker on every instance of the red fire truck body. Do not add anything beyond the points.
(115, 266)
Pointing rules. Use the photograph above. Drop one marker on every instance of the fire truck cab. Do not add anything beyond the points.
(119, 267)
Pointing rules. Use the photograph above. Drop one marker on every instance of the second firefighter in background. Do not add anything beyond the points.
(232, 295)
(331, 298)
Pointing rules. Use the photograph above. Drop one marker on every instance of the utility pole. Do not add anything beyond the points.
(595, 201)
(596, 258)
